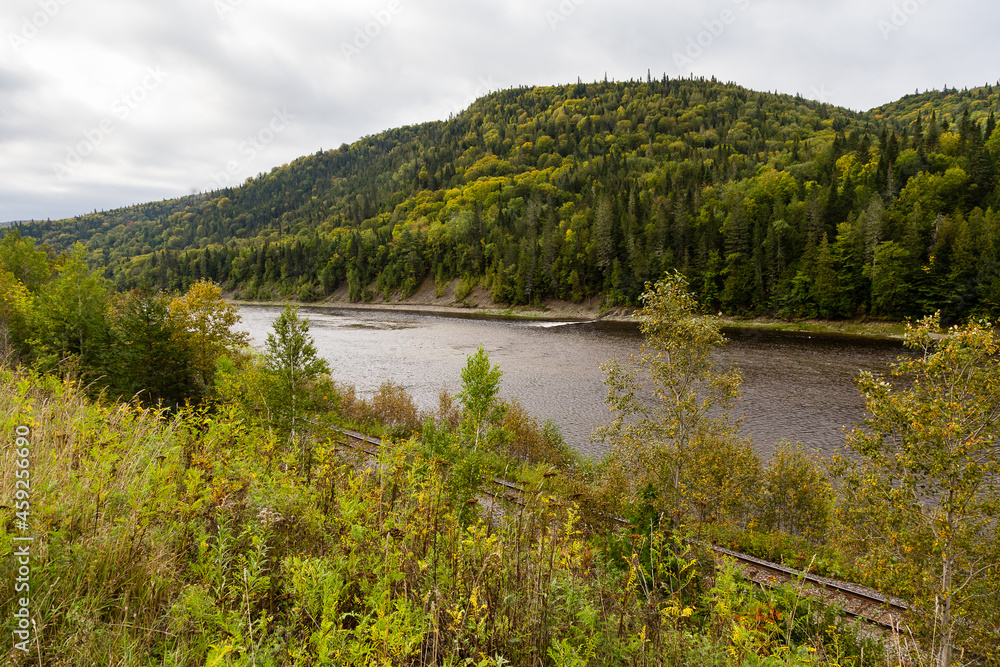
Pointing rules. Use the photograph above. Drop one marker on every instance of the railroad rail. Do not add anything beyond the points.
(856, 601)
(504, 489)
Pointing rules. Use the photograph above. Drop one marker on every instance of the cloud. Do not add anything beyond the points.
(345, 70)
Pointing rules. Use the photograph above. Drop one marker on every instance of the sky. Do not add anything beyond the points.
(108, 103)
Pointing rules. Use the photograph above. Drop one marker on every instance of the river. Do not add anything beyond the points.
(795, 386)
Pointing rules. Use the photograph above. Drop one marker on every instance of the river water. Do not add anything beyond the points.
(795, 386)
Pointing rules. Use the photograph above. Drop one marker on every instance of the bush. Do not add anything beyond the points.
(448, 413)
(395, 408)
(533, 444)
(391, 407)
(797, 497)
(465, 287)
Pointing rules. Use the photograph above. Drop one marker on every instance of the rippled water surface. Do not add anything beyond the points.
(794, 386)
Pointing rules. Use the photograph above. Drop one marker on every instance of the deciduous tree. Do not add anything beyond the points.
(922, 495)
(481, 405)
(70, 318)
(666, 399)
(204, 322)
(15, 301)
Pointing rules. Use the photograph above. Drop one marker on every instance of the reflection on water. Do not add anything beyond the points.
(794, 386)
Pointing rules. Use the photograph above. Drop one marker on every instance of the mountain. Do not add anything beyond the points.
(768, 203)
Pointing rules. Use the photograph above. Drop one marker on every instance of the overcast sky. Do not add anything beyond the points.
(105, 103)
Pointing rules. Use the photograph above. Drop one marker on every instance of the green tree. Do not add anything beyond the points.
(796, 495)
(15, 304)
(146, 358)
(826, 283)
(203, 324)
(666, 400)
(922, 495)
(70, 319)
(19, 256)
(889, 272)
(481, 405)
(294, 362)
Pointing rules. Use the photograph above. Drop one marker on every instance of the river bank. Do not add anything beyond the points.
(478, 303)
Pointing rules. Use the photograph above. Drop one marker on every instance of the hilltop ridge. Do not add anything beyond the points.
(768, 203)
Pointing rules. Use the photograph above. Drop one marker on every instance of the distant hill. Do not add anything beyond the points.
(767, 203)
(948, 105)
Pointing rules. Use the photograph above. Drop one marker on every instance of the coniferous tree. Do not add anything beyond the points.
(294, 363)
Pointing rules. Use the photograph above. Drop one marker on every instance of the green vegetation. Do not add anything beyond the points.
(226, 527)
(137, 345)
(922, 498)
(190, 502)
(674, 447)
(767, 204)
(197, 537)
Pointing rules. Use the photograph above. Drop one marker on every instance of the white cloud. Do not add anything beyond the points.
(229, 64)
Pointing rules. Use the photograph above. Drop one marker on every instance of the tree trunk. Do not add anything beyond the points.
(944, 656)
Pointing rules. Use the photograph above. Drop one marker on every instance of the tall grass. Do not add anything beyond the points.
(192, 539)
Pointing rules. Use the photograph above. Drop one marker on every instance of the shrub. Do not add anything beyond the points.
(465, 287)
(395, 408)
(797, 497)
(529, 442)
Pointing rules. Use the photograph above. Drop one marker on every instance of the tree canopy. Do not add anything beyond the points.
(766, 203)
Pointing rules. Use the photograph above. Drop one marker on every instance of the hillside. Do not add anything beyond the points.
(767, 203)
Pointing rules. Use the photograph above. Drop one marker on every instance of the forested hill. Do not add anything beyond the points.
(768, 203)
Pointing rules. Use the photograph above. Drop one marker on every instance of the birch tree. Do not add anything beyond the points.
(921, 496)
(480, 397)
(669, 401)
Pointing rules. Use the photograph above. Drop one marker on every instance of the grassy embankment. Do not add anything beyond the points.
(193, 539)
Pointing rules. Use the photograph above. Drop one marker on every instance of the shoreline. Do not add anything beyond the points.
(590, 311)
(432, 299)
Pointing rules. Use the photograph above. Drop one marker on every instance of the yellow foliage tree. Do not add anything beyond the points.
(922, 496)
(15, 302)
(666, 428)
(205, 325)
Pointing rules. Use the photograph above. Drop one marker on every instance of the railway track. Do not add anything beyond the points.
(853, 599)
(856, 601)
(502, 489)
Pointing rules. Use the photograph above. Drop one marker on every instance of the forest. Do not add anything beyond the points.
(767, 203)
